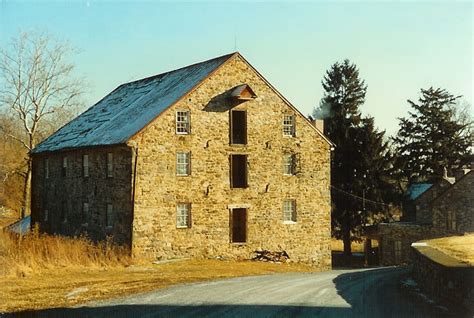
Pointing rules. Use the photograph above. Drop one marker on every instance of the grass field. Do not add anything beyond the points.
(459, 247)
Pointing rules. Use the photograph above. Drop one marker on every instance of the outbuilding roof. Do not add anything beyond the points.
(417, 189)
(127, 109)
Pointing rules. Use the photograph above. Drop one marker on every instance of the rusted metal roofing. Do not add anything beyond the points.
(129, 108)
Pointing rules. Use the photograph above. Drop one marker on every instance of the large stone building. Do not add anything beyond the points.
(444, 208)
(208, 160)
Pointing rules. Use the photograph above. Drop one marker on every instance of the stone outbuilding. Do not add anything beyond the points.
(444, 208)
(204, 161)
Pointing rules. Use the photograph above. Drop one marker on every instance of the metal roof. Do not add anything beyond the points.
(417, 189)
(129, 108)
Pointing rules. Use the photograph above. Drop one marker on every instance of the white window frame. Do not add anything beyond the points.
(289, 211)
(109, 216)
(451, 220)
(46, 215)
(46, 168)
(64, 212)
(85, 166)
(183, 215)
(289, 125)
(397, 248)
(110, 165)
(65, 164)
(85, 213)
(183, 163)
(183, 122)
(289, 164)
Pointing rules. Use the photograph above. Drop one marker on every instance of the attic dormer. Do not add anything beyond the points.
(243, 93)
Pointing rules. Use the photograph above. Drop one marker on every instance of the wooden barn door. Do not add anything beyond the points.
(238, 225)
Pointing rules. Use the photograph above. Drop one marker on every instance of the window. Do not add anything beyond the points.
(110, 165)
(183, 163)
(183, 215)
(85, 165)
(182, 122)
(109, 216)
(398, 250)
(451, 221)
(46, 168)
(64, 207)
(288, 125)
(238, 127)
(238, 171)
(46, 215)
(289, 211)
(64, 166)
(289, 164)
(238, 225)
(85, 213)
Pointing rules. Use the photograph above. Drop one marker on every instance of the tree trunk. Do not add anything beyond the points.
(346, 239)
(25, 208)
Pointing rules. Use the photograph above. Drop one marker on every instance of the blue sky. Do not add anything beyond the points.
(399, 46)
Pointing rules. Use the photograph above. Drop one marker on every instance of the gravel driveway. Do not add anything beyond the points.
(337, 293)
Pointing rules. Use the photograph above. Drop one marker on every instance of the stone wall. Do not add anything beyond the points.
(404, 232)
(423, 203)
(60, 194)
(443, 277)
(459, 200)
(158, 189)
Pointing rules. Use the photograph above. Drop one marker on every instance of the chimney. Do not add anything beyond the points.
(319, 124)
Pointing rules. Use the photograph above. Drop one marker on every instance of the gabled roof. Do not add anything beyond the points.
(461, 180)
(130, 107)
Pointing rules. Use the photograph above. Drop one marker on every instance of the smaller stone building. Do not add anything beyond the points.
(444, 208)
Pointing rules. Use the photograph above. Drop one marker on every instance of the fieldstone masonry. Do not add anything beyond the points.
(432, 220)
(146, 190)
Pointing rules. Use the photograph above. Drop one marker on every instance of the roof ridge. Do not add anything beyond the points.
(175, 70)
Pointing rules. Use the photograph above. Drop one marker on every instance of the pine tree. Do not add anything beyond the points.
(432, 138)
(360, 158)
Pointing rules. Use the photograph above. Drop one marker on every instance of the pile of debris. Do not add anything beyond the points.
(272, 257)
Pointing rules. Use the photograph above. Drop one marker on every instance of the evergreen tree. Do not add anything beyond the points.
(360, 160)
(432, 137)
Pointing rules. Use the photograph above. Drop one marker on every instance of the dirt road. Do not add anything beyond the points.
(337, 293)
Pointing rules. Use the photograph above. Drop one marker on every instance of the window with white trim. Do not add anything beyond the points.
(183, 163)
(46, 215)
(110, 165)
(182, 122)
(46, 168)
(398, 250)
(64, 211)
(289, 211)
(109, 215)
(64, 166)
(183, 215)
(85, 165)
(85, 213)
(288, 125)
(451, 220)
(289, 164)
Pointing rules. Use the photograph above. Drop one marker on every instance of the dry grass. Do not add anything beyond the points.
(34, 253)
(459, 247)
(39, 271)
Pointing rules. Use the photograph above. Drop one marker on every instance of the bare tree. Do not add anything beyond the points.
(36, 83)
